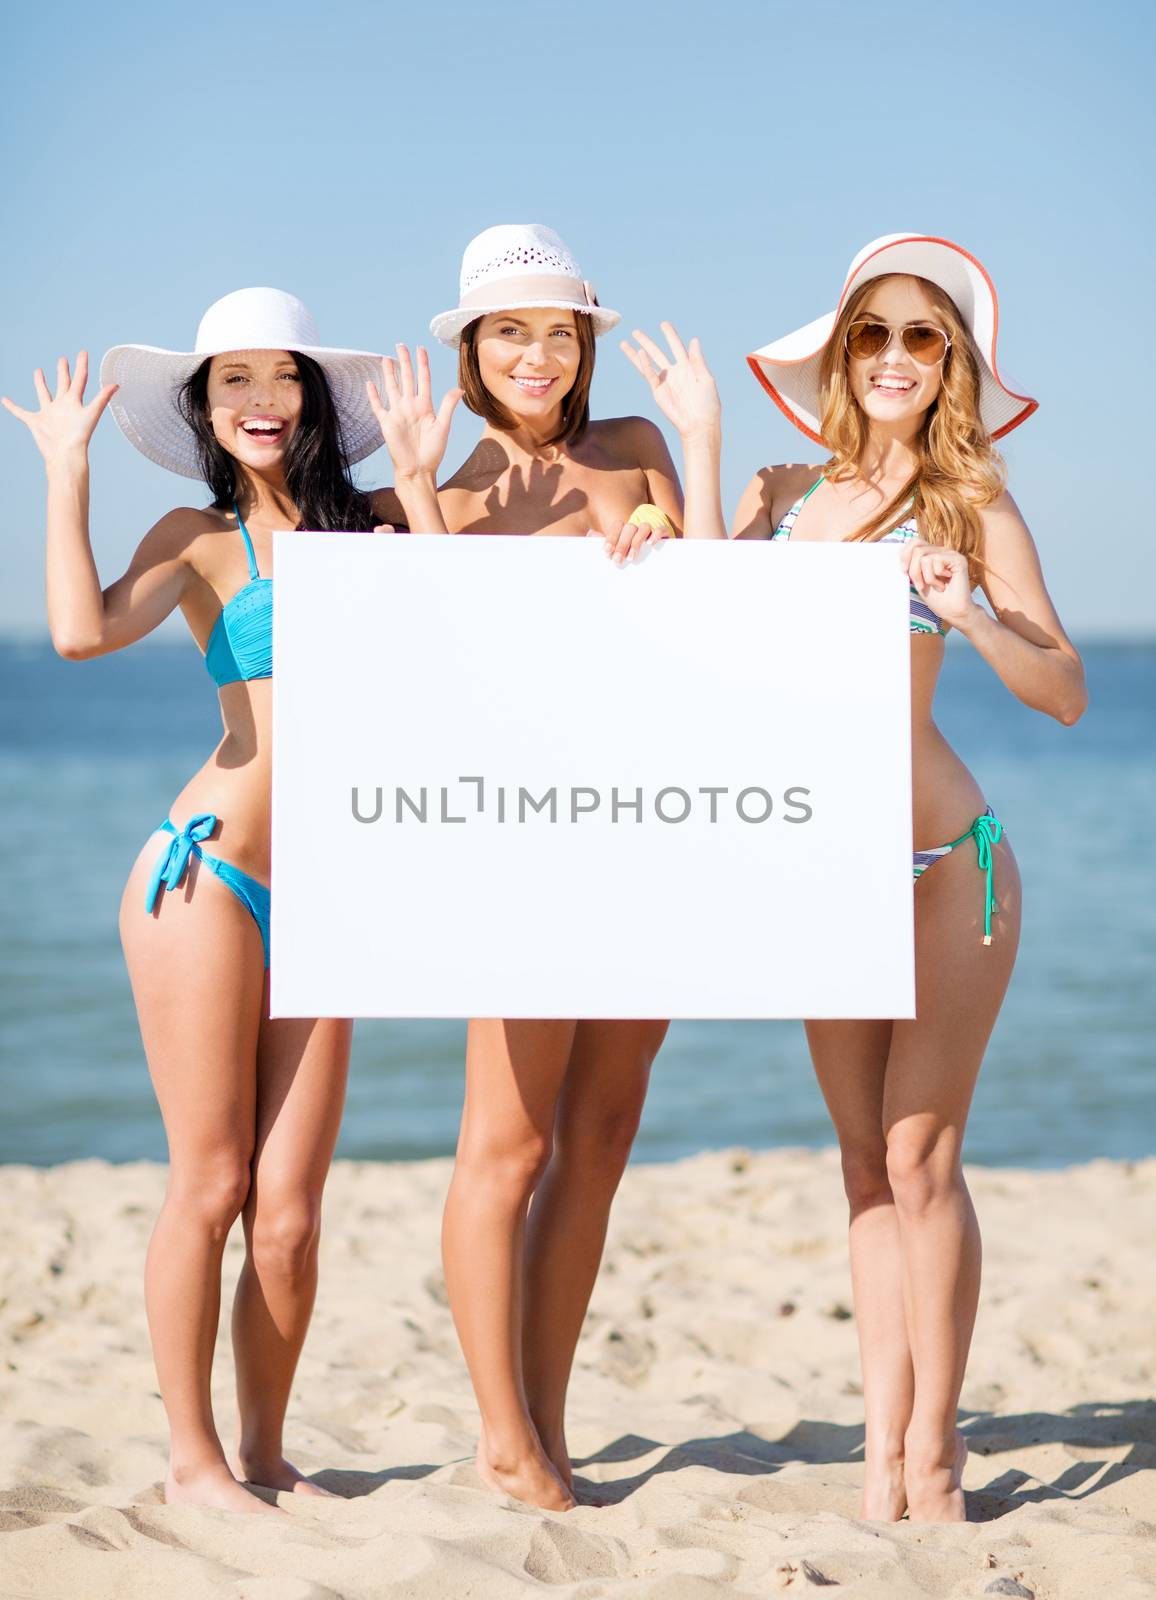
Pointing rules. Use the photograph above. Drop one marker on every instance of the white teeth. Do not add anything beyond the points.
(262, 427)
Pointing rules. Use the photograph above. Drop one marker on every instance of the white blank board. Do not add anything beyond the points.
(503, 670)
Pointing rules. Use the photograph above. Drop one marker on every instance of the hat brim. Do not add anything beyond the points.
(146, 410)
(788, 368)
(449, 326)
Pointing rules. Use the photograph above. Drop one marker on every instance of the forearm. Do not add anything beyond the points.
(75, 598)
(703, 518)
(1044, 677)
(419, 500)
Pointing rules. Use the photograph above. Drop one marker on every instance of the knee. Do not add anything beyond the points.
(922, 1169)
(865, 1179)
(509, 1169)
(597, 1140)
(283, 1236)
(211, 1197)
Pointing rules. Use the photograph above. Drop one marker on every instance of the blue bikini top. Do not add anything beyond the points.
(240, 646)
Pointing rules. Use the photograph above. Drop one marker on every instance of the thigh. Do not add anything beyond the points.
(514, 1071)
(850, 1061)
(959, 987)
(196, 965)
(609, 1066)
(302, 1069)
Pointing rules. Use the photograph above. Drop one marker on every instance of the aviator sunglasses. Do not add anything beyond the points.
(923, 341)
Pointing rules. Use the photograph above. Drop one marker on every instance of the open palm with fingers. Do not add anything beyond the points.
(682, 383)
(64, 423)
(415, 434)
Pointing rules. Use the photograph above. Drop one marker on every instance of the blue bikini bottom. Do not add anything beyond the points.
(170, 871)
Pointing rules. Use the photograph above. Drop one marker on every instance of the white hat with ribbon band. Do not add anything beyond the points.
(519, 266)
(151, 379)
(788, 368)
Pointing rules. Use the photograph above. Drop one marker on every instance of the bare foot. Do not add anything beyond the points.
(529, 1476)
(213, 1486)
(274, 1472)
(554, 1444)
(884, 1490)
(934, 1490)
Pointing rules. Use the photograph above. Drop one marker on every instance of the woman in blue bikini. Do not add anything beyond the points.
(251, 1106)
(901, 386)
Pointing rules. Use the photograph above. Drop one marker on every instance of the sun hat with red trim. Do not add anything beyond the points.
(788, 368)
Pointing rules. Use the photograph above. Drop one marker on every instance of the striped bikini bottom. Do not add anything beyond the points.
(986, 831)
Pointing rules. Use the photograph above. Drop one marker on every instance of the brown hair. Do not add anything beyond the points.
(958, 469)
(575, 404)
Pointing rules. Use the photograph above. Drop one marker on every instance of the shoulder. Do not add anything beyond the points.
(172, 538)
(770, 495)
(630, 441)
(1003, 522)
(386, 507)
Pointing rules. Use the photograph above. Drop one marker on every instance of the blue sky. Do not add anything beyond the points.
(716, 165)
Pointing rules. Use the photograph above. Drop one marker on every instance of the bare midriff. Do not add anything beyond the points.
(235, 782)
(946, 799)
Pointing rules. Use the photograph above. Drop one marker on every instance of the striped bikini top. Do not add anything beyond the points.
(923, 618)
(240, 646)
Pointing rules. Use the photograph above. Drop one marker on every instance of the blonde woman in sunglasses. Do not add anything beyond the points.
(901, 388)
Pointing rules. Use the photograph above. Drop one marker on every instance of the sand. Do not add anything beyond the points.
(715, 1403)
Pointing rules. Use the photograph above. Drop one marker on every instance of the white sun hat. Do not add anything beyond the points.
(150, 379)
(519, 266)
(788, 368)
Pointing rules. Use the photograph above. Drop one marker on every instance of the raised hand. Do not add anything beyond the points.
(64, 424)
(941, 578)
(681, 383)
(415, 434)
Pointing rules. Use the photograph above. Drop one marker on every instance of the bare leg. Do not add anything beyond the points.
(302, 1067)
(931, 1071)
(850, 1062)
(596, 1121)
(514, 1071)
(197, 977)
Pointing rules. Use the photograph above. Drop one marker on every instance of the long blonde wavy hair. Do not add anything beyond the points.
(958, 469)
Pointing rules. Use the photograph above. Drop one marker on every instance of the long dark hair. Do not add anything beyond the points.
(316, 468)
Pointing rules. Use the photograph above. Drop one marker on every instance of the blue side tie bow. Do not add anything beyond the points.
(170, 869)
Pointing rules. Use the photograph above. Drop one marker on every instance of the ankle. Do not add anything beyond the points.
(509, 1452)
(927, 1449)
(189, 1468)
(256, 1449)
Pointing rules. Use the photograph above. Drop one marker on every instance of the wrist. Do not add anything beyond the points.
(68, 463)
(704, 439)
(974, 620)
(420, 479)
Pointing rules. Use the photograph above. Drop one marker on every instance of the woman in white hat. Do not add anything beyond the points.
(901, 386)
(270, 421)
(551, 1107)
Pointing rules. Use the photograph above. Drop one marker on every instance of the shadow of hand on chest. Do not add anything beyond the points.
(517, 499)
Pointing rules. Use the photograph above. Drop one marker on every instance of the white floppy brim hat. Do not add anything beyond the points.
(789, 368)
(519, 266)
(150, 379)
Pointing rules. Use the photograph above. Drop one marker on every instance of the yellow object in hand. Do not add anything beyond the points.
(648, 516)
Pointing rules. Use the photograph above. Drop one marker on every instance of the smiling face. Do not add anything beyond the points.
(528, 359)
(254, 403)
(892, 387)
